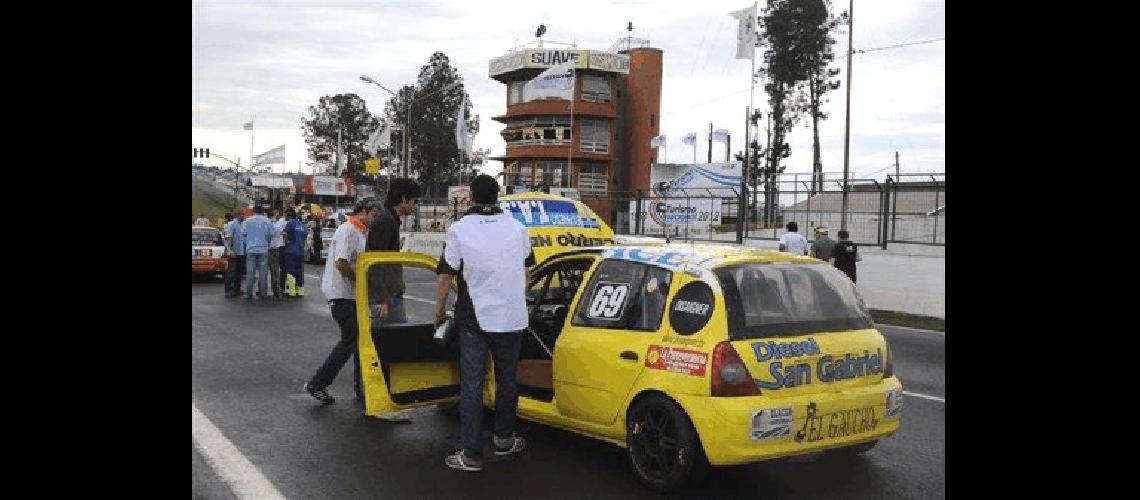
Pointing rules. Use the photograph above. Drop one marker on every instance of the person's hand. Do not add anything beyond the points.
(439, 319)
(381, 310)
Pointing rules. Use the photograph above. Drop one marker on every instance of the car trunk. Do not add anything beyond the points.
(784, 321)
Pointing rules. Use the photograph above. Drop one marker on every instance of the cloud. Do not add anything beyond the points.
(275, 59)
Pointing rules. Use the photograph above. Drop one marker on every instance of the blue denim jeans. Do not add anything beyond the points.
(473, 347)
(256, 263)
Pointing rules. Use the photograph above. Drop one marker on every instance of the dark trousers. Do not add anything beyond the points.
(235, 273)
(344, 312)
(473, 347)
(849, 271)
(295, 265)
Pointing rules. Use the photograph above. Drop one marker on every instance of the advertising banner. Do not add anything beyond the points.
(329, 185)
(690, 203)
(548, 58)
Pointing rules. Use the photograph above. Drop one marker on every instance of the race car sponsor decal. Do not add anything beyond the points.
(677, 339)
(691, 308)
(676, 360)
(542, 213)
(608, 301)
(818, 426)
(568, 240)
(771, 423)
(893, 403)
(827, 368)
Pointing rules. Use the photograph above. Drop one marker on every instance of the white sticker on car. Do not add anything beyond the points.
(771, 423)
(894, 402)
(608, 300)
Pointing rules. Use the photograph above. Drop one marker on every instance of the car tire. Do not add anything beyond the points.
(663, 447)
(853, 450)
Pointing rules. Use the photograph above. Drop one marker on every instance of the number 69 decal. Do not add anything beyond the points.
(608, 301)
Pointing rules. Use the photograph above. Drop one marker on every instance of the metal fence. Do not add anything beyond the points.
(908, 209)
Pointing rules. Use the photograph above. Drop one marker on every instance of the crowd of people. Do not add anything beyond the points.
(268, 249)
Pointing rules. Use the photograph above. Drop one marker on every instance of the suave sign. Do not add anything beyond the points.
(547, 58)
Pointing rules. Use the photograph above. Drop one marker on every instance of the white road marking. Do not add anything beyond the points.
(236, 471)
(914, 329)
(313, 276)
(924, 396)
(417, 299)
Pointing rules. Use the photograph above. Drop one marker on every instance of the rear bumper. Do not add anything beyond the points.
(735, 431)
(211, 265)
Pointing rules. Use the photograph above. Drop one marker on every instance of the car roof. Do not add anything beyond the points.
(705, 256)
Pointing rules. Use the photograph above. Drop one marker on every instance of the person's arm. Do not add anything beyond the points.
(345, 269)
(448, 267)
(443, 286)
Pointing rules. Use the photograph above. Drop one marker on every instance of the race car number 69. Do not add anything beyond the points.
(608, 300)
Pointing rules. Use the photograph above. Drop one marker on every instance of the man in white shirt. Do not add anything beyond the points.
(792, 241)
(339, 286)
(490, 252)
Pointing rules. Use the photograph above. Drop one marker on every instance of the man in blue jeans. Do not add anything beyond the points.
(258, 232)
(490, 252)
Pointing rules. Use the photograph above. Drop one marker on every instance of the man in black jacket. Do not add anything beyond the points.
(386, 281)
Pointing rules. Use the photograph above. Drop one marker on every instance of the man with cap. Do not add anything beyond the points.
(339, 286)
(823, 248)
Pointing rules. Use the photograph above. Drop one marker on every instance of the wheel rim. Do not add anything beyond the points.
(654, 443)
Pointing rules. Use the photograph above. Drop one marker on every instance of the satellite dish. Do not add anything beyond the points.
(541, 31)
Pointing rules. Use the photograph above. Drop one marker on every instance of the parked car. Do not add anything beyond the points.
(687, 356)
(208, 251)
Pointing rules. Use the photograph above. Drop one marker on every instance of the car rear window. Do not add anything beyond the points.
(207, 237)
(779, 300)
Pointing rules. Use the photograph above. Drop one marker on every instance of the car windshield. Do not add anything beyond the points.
(207, 237)
(777, 300)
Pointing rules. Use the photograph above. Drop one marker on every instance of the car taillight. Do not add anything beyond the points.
(729, 375)
(889, 369)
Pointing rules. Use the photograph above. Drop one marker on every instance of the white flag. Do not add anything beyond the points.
(657, 142)
(462, 137)
(745, 32)
(381, 138)
(690, 139)
(275, 155)
(556, 82)
(247, 126)
(721, 135)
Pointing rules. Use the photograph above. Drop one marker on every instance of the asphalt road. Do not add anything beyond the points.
(250, 360)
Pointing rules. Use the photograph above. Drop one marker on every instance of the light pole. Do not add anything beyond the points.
(408, 120)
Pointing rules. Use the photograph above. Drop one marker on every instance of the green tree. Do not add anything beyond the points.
(434, 100)
(816, 27)
(785, 68)
(348, 114)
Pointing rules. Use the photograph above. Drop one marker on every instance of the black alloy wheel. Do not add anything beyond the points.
(663, 447)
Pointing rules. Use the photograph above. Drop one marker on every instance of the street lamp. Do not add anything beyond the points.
(408, 120)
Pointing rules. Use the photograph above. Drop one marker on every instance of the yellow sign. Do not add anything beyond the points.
(372, 166)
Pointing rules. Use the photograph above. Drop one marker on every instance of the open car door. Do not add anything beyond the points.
(401, 366)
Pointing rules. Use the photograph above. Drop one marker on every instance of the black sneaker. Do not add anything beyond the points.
(512, 445)
(319, 394)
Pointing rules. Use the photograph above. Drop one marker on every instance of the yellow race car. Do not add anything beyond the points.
(685, 355)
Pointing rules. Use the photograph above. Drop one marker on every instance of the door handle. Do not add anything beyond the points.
(630, 355)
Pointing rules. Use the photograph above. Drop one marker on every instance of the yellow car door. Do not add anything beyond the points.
(401, 365)
(602, 350)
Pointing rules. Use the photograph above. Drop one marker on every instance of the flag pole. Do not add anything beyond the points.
(570, 152)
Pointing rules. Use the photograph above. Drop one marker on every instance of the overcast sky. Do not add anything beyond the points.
(274, 59)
